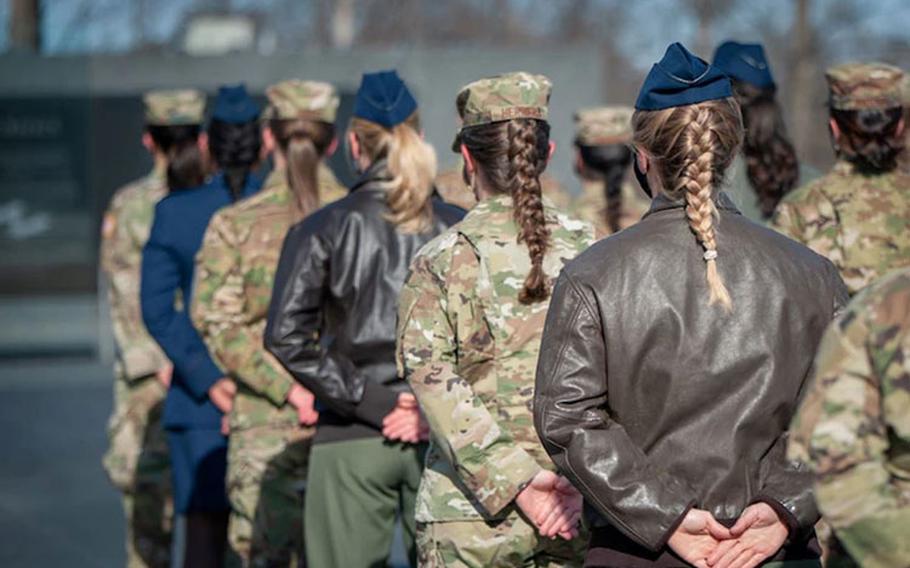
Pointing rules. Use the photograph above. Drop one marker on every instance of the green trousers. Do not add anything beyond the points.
(355, 491)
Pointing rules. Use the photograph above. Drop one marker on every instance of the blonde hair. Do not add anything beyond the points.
(412, 164)
(692, 146)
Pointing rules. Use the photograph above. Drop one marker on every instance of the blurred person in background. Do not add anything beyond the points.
(853, 428)
(903, 159)
(470, 321)
(273, 417)
(603, 160)
(331, 323)
(199, 393)
(767, 168)
(858, 215)
(137, 460)
(676, 351)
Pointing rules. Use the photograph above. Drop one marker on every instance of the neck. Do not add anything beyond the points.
(160, 162)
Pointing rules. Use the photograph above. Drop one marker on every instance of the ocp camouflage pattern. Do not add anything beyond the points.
(853, 427)
(469, 350)
(860, 222)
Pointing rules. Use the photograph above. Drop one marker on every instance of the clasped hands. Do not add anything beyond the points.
(705, 543)
(406, 423)
(552, 504)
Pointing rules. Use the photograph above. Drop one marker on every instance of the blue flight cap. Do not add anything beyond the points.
(234, 105)
(745, 62)
(681, 78)
(383, 98)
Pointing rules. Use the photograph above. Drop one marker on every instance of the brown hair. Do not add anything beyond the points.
(771, 163)
(512, 155)
(607, 164)
(180, 145)
(869, 137)
(303, 143)
(412, 164)
(691, 148)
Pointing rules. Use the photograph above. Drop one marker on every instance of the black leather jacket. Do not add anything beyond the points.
(333, 311)
(652, 402)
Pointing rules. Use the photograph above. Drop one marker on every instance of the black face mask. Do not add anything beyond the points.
(642, 178)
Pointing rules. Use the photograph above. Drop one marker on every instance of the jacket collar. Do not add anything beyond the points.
(373, 177)
(663, 202)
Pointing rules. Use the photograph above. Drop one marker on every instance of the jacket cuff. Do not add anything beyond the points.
(140, 361)
(668, 533)
(786, 516)
(277, 392)
(202, 375)
(377, 402)
(509, 477)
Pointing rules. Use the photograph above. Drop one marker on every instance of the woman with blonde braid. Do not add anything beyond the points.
(676, 352)
(470, 319)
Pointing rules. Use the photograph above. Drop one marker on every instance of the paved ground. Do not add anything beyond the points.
(56, 506)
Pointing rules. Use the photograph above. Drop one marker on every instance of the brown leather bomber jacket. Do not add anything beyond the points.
(652, 402)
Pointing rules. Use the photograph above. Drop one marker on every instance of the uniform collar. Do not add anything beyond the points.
(663, 202)
(373, 177)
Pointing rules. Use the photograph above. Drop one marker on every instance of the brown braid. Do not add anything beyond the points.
(692, 147)
(525, 167)
(511, 155)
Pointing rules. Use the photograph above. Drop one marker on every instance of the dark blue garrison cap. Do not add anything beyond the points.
(745, 62)
(234, 105)
(681, 78)
(383, 98)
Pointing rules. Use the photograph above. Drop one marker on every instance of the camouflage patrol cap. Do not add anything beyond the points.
(171, 108)
(853, 86)
(600, 126)
(504, 97)
(312, 100)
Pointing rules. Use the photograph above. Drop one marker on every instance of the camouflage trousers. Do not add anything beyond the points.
(509, 543)
(138, 463)
(267, 466)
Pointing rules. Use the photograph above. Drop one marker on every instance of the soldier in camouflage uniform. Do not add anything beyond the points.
(853, 428)
(903, 160)
(858, 215)
(451, 187)
(272, 419)
(608, 200)
(469, 336)
(137, 459)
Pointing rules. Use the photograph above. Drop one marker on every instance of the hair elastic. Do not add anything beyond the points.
(710, 255)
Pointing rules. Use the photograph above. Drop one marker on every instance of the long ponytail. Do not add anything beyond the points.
(179, 144)
(411, 162)
(303, 144)
(235, 149)
(610, 163)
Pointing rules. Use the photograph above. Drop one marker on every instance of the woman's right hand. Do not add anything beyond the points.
(551, 503)
(697, 537)
(222, 394)
(305, 403)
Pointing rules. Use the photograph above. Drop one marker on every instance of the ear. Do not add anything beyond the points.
(268, 141)
(333, 145)
(468, 159)
(354, 145)
(644, 162)
(579, 163)
(149, 143)
(835, 129)
(203, 143)
(551, 151)
(900, 126)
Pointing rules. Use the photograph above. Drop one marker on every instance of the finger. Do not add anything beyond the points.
(756, 559)
(564, 485)
(544, 507)
(720, 550)
(746, 520)
(554, 522)
(571, 526)
(717, 530)
(731, 558)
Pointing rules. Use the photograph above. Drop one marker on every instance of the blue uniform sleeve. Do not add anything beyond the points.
(170, 327)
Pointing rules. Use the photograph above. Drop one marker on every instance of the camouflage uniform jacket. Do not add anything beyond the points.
(125, 229)
(860, 222)
(854, 425)
(591, 206)
(469, 350)
(235, 269)
(452, 189)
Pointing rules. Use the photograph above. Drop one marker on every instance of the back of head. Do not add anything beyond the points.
(234, 136)
(505, 130)
(866, 104)
(690, 126)
(173, 120)
(387, 126)
(602, 137)
(301, 116)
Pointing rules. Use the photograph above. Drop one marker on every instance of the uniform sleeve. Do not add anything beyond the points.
(121, 257)
(220, 314)
(294, 330)
(786, 220)
(813, 221)
(590, 448)
(861, 413)
(170, 327)
(436, 321)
